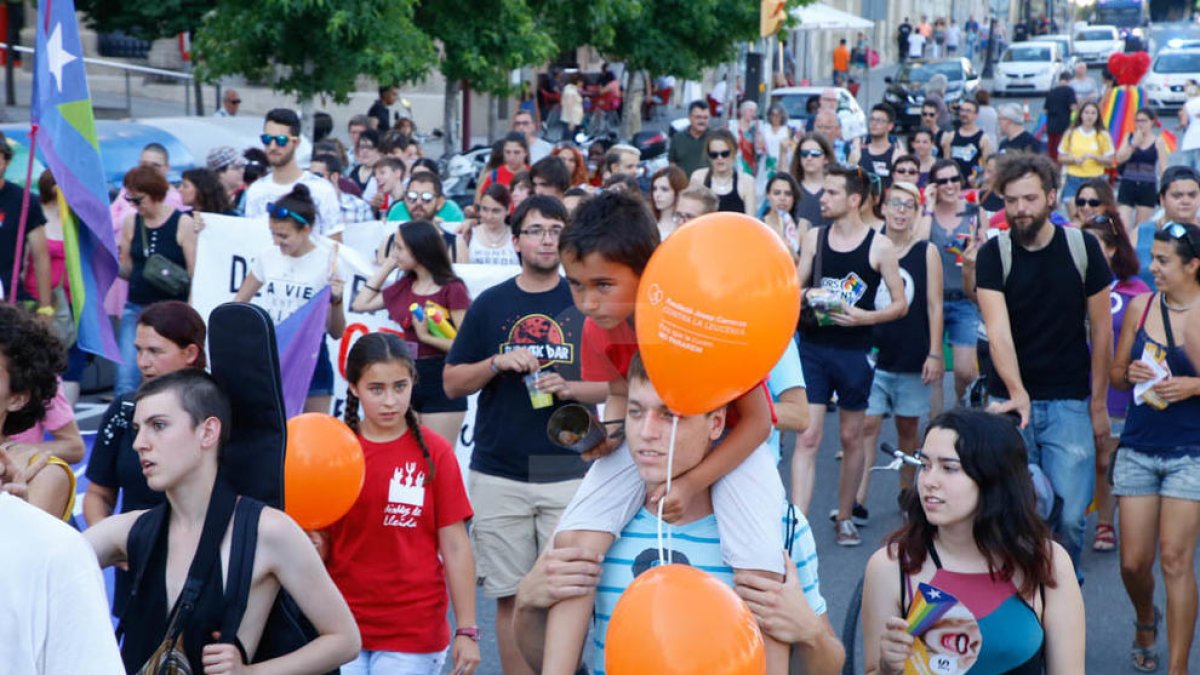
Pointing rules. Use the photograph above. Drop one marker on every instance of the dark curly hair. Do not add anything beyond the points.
(33, 357)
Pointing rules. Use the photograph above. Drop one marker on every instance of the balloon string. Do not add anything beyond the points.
(662, 554)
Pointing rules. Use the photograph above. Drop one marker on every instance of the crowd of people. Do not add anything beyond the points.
(1065, 312)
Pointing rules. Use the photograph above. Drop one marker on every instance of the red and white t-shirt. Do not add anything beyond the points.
(383, 554)
(606, 353)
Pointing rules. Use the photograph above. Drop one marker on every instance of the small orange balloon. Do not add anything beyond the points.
(323, 470)
(716, 306)
(678, 620)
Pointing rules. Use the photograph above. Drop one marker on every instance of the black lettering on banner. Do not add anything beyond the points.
(238, 268)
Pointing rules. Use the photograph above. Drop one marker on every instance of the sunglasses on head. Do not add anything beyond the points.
(719, 154)
(280, 140)
(1180, 232)
(1080, 201)
(277, 212)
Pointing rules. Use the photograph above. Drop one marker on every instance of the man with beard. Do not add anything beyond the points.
(851, 263)
(520, 482)
(1036, 289)
(281, 138)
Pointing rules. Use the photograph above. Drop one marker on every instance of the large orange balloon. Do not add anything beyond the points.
(323, 470)
(716, 306)
(677, 620)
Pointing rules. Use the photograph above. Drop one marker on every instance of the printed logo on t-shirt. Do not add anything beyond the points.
(883, 297)
(543, 336)
(850, 287)
(406, 496)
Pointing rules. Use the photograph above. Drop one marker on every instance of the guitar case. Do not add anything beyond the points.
(244, 360)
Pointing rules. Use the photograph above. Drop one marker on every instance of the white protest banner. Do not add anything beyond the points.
(227, 244)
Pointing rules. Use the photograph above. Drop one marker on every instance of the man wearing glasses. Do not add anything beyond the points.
(520, 482)
(876, 156)
(230, 101)
(281, 138)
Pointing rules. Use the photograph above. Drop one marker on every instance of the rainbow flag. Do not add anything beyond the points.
(929, 605)
(64, 129)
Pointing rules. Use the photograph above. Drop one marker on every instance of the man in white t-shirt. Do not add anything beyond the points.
(281, 138)
(55, 618)
(916, 45)
(1188, 153)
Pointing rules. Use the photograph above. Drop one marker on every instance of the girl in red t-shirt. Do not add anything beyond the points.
(404, 541)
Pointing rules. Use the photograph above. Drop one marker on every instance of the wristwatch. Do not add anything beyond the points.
(470, 631)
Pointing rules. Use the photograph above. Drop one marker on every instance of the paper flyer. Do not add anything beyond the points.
(1143, 392)
(947, 635)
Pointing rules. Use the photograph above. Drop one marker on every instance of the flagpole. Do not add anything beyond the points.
(18, 257)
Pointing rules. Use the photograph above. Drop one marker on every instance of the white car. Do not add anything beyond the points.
(1170, 72)
(795, 100)
(1029, 68)
(1094, 44)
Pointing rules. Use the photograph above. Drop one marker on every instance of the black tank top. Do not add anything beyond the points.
(162, 240)
(851, 276)
(966, 150)
(730, 201)
(880, 165)
(904, 343)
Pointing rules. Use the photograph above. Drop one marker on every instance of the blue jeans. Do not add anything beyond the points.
(128, 375)
(1059, 439)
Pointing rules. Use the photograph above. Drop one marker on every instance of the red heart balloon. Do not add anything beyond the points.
(1128, 69)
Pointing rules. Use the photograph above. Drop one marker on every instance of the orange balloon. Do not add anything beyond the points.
(323, 470)
(678, 620)
(716, 306)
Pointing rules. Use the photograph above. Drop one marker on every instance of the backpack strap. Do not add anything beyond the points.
(822, 239)
(243, 545)
(1078, 249)
(1004, 242)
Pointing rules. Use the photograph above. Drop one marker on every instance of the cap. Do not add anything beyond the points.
(222, 156)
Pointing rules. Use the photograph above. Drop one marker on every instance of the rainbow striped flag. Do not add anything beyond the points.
(64, 129)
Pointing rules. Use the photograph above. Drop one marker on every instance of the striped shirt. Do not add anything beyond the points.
(696, 544)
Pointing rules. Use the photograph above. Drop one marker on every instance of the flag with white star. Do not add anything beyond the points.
(65, 131)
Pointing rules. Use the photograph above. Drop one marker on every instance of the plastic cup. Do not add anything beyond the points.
(538, 398)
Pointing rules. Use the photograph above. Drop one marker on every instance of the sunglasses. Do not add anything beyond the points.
(929, 114)
(281, 140)
(413, 196)
(277, 212)
(812, 154)
(946, 181)
(1181, 233)
(1080, 201)
(906, 170)
(719, 154)
(236, 101)
(136, 201)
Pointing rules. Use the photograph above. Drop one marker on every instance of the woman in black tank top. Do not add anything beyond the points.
(734, 190)
(155, 227)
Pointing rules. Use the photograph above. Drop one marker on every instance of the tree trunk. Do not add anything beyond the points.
(450, 118)
(493, 120)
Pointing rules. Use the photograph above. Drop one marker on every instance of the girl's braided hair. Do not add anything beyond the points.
(375, 348)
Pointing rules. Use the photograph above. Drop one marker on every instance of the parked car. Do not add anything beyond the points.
(906, 91)
(1166, 83)
(795, 100)
(1066, 46)
(1094, 44)
(1028, 68)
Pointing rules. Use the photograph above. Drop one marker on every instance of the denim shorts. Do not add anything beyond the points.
(898, 394)
(833, 369)
(1071, 185)
(961, 319)
(1142, 474)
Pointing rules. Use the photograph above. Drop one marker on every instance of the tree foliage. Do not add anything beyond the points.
(313, 47)
(146, 20)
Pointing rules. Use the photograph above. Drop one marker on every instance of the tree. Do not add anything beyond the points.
(481, 41)
(148, 21)
(311, 48)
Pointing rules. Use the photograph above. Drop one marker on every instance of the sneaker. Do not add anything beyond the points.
(859, 515)
(847, 534)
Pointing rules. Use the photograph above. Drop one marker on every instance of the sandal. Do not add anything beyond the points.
(1145, 659)
(1106, 538)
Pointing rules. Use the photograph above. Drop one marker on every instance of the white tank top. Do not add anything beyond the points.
(480, 254)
